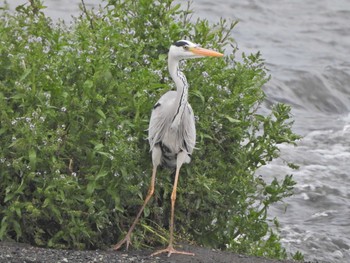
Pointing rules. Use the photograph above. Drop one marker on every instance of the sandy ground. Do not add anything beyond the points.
(11, 252)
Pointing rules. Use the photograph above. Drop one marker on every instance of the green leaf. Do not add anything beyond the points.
(98, 146)
(10, 194)
(3, 228)
(87, 86)
(101, 174)
(198, 94)
(17, 228)
(101, 113)
(25, 74)
(91, 187)
(162, 57)
(146, 211)
(232, 120)
(32, 158)
(21, 8)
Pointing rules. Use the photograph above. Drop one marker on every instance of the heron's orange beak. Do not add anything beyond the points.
(205, 52)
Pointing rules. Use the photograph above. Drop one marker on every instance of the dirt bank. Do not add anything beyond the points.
(11, 252)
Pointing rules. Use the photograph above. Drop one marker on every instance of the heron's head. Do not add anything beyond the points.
(184, 49)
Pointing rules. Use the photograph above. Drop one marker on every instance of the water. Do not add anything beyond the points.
(306, 46)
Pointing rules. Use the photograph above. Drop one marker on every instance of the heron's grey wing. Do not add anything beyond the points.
(189, 129)
(160, 118)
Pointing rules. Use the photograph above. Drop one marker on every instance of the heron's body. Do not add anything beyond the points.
(172, 132)
(171, 140)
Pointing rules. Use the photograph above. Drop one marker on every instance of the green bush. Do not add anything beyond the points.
(75, 102)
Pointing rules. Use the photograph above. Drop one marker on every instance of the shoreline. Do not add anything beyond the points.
(13, 252)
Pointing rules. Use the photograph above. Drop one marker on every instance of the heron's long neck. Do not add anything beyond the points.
(182, 90)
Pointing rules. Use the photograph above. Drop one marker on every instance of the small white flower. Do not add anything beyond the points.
(158, 73)
(146, 59)
(92, 50)
(46, 49)
(227, 90)
(63, 109)
(47, 95)
(205, 74)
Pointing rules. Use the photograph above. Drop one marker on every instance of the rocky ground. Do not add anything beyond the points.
(11, 252)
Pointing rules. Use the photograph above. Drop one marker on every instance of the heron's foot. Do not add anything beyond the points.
(170, 250)
(126, 240)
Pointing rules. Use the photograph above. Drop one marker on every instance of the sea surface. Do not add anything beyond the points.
(306, 45)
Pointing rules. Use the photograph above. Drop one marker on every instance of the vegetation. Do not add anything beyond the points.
(75, 101)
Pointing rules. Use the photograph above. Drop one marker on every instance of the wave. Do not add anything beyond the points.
(326, 92)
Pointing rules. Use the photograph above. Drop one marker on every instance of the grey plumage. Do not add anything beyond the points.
(171, 140)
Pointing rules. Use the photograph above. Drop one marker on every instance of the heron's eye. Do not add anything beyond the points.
(186, 47)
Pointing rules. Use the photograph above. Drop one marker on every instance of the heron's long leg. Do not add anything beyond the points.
(127, 238)
(170, 249)
(173, 200)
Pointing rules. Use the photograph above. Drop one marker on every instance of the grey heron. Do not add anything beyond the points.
(172, 132)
